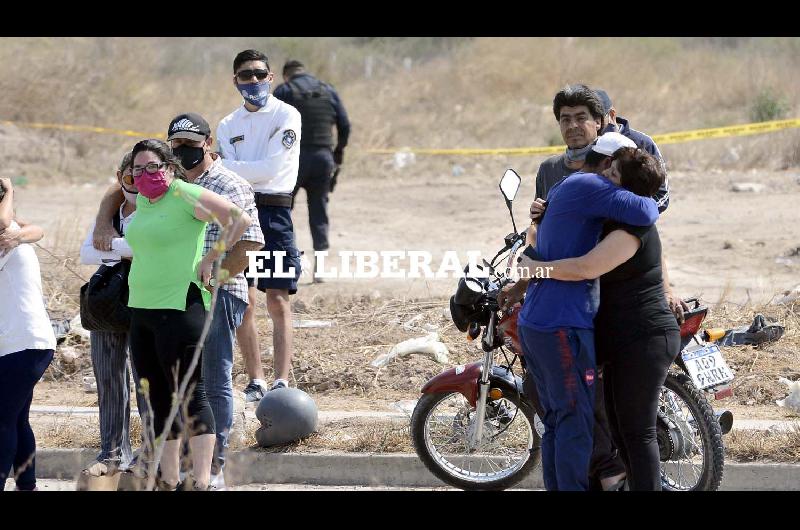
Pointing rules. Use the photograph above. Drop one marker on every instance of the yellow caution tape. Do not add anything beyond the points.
(661, 139)
(82, 128)
(725, 132)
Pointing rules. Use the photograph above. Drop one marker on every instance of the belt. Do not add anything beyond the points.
(265, 199)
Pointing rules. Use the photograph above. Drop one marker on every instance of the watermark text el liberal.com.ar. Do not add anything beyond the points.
(364, 264)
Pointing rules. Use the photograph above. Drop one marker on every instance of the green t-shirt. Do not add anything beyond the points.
(167, 244)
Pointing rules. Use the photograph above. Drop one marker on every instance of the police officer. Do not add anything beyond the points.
(259, 141)
(320, 108)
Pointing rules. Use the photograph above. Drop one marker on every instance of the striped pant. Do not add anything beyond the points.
(110, 364)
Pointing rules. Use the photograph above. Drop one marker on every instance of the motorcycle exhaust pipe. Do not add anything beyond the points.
(725, 419)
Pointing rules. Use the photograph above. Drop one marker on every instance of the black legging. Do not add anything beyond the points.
(160, 339)
(605, 462)
(633, 380)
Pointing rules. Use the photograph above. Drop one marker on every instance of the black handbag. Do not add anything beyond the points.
(104, 299)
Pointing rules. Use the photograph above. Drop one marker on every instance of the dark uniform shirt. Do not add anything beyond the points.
(305, 81)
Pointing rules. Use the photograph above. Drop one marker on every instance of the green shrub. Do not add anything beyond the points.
(768, 106)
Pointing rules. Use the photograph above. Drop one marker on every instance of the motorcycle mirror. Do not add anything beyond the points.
(509, 184)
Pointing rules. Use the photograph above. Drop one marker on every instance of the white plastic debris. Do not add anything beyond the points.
(75, 328)
(405, 406)
(752, 187)
(403, 159)
(408, 325)
(788, 296)
(68, 354)
(89, 385)
(306, 269)
(731, 156)
(312, 323)
(428, 345)
(792, 401)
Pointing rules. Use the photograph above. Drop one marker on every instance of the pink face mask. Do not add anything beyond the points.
(152, 185)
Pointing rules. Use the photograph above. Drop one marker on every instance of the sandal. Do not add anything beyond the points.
(166, 486)
(101, 468)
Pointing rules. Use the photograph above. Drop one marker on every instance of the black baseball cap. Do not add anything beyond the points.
(604, 99)
(191, 126)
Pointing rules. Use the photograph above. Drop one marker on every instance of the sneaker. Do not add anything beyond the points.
(278, 384)
(253, 392)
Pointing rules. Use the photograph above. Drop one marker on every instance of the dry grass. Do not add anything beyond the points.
(422, 92)
(352, 437)
(336, 360)
(774, 446)
(758, 368)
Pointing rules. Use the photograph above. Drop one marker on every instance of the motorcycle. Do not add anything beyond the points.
(477, 427)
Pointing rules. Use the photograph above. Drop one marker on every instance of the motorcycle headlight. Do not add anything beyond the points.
(469, 291)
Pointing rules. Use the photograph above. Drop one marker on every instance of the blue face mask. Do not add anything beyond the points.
(254, 93)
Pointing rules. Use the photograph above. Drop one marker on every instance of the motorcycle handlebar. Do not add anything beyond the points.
(511, 241)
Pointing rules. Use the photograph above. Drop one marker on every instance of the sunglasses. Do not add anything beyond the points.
(151, 168)
(127, 179)
(246, 75)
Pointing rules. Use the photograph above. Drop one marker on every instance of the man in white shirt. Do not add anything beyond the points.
(261, 142)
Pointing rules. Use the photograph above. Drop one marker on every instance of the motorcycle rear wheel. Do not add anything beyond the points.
(440, 427)
(690, 438)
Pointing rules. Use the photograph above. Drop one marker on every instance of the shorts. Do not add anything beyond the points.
(276, 225)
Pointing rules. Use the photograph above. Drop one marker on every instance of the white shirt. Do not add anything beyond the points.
(119, 246)
(263, 147)
(24, 323)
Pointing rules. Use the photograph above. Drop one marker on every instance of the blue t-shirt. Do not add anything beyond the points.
(576, 210)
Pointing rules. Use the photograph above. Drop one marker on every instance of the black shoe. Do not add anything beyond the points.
(278, 384)
(253, 392)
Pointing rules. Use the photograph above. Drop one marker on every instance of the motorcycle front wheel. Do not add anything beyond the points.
(441, 429)
(689, 438)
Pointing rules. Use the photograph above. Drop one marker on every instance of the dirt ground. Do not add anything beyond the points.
(720, 245)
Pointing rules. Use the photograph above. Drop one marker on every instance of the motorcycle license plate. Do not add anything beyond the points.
(707, 367)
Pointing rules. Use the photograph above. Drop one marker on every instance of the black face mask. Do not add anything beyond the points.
(190, 156)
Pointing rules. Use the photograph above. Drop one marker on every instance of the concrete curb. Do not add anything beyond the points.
(326, 416)
(399, 470)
